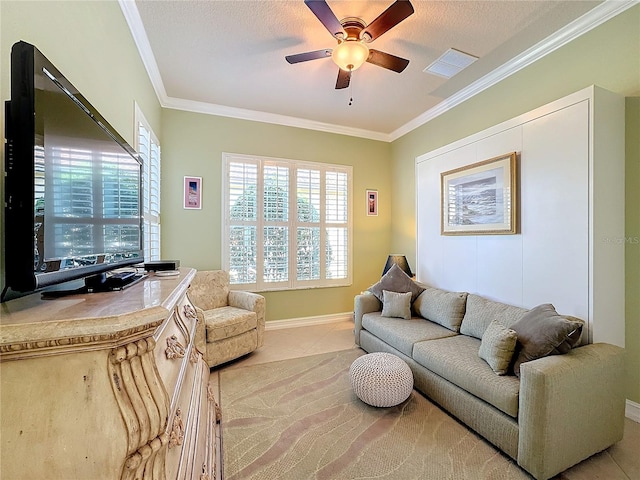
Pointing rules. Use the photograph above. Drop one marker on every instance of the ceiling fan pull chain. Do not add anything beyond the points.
(351, 90)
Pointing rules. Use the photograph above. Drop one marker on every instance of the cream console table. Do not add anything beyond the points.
(106, 386)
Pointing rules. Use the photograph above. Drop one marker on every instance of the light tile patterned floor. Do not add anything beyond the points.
(620, 462)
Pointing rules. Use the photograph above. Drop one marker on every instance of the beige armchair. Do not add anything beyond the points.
(230, 322)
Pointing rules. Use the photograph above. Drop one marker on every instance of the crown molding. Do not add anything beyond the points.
(264, 117)
(590, 20)
(132, 16)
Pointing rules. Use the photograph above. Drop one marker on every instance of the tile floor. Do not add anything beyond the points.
(619, 462)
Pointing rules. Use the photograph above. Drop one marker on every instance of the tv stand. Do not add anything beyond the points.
(106, 386)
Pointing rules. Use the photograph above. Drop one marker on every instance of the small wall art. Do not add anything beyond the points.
(372, 203)
(193, 193)
(480, 199)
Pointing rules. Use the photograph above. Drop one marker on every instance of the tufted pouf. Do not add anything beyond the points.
(381, 379)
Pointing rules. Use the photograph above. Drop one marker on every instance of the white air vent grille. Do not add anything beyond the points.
(450, 63)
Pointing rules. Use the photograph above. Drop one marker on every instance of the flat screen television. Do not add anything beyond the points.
(72, 185)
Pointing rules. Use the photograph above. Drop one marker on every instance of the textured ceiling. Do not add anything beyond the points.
(231, 54)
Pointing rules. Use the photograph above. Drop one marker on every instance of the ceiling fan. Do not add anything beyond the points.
(353, 35)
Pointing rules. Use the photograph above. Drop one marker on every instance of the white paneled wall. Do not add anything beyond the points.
(551, 259)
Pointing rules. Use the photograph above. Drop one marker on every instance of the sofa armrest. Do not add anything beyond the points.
(365, 303)
(571, 406)
(253, 302)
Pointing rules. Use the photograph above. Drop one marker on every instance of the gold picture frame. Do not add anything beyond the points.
(481, 198)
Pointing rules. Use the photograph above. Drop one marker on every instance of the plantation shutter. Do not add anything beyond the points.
(148, 148)
(286, 223)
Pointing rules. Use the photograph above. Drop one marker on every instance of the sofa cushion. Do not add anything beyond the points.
(225, 322)
(542, 332)
(395, 280)
(497, 347)
(481, 312)
(396, 304)
(445, 308)
(402, 334)
(456, 359)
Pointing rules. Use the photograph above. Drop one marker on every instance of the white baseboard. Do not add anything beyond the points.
(308, 321)
(632, 411)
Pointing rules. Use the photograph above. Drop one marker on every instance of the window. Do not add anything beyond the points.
(287, 224)
(148, 147)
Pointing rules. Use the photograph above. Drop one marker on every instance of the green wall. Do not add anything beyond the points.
(193, 145)
(92, 46)
(90, 43)
(608, 56)
(632, 247)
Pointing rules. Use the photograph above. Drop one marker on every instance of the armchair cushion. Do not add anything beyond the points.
(225, 322)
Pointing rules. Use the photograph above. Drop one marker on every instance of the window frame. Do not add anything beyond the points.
(292, 224)
(151, 219)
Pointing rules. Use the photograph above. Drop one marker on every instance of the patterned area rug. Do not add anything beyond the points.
(299, 419)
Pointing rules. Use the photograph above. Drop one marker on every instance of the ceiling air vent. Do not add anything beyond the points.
(450, 63)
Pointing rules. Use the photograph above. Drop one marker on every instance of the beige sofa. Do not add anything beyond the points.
(562, 409)
(230, 322)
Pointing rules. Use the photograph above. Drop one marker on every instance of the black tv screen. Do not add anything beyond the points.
(72, 185)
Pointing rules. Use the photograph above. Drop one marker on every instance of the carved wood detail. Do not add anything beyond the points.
(205, 475)
(194, 356)
(190, 312)
(144, 406)
(57, 346)
(174, 348)
(177, 430)
(218, 412)
(211, 397)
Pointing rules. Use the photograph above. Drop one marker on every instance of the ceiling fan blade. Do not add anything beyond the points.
(388, 61)
(321, 9)
(305, 57)
(388, 19)
(343, 79)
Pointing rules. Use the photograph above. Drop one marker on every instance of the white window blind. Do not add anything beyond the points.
(148, 148)
(287, 224)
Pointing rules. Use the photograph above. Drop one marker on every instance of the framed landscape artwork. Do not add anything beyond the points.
(193, 193)
(480, 199)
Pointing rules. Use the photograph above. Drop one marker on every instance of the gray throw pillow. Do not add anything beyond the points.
(542, 332)
(396, 304)
(395, 280)
(497, 347)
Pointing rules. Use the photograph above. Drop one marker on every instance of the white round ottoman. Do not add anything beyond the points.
(381, 379)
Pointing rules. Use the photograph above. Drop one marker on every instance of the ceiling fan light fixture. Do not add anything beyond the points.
(349, 55)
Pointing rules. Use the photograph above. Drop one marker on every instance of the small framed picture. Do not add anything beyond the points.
(372, 203)
(193, 193)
